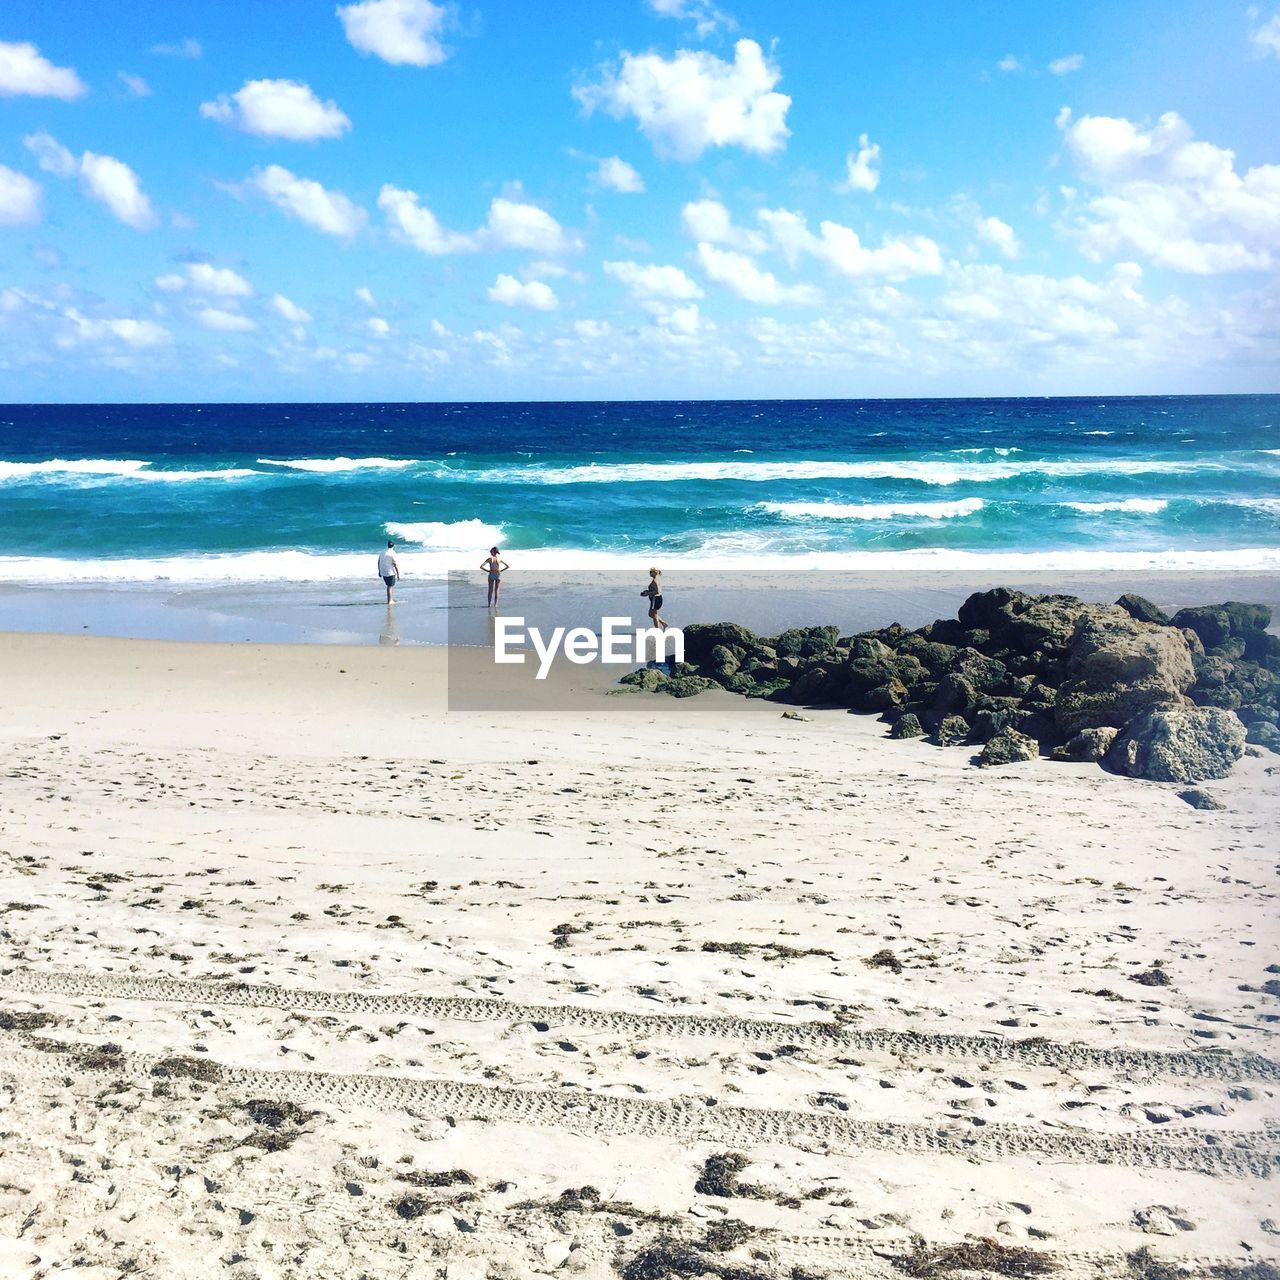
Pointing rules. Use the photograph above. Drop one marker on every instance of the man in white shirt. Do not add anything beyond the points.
(389, 569)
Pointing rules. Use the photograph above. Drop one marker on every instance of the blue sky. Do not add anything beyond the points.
(392, 199)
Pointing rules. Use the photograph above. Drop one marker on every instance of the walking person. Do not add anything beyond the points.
(494, 566)
(654, 592)
(389, 569)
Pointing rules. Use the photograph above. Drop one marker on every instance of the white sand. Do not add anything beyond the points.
(178, 820)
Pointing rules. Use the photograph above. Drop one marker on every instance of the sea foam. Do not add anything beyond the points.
(1142, 506)
(327, 466)
(874, 510)
(443, 535)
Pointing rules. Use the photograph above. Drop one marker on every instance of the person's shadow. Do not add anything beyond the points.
(390, 633)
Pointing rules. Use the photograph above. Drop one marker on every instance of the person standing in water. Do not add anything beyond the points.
(654, 592)
(389, 569)
(494, 566)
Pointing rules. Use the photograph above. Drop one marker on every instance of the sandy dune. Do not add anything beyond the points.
(301, 975)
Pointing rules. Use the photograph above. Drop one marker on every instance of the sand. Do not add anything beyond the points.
(303, 975)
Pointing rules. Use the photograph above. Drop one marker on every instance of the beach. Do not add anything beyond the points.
(306, 974)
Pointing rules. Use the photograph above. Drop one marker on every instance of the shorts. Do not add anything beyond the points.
(655, 603)
(390, 581)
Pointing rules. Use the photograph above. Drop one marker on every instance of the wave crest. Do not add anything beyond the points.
(874, 510)
(448, 535)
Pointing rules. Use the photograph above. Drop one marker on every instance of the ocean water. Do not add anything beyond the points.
(308, 493)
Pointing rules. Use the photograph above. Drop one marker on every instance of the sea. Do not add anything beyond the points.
(308, 493)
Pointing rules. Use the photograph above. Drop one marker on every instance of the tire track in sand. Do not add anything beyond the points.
(1185, 1064)
(1222, 1153)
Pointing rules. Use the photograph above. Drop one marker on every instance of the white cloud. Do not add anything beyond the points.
(223, 321)
(19, 198)
(896, 258)
(288, 310)
(709, 220)
(305, 199)
(999, 234)
(511, 224)
(25, 71)
(741, 276)
(653, 281)
(1266, 36)
(278, 109)
(135, 86)
(704, 15)
(1173, 200)
(378, 327)
(104, 178)
(133, 333)
(694, 100)
(592, 329)
(615, 174)
(1065, 66)
(862, 172)
(402, 32)
(534, 294)
(111, 182)
(188, 47)
(515, 224)
(203, 278)
(1010, 63)
(365, 295)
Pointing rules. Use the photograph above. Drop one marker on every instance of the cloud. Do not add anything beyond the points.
(305, 199)
(402, 32)
(288, 310)
(223, 321)
(104, 178)
(862, 171)
(278, 109)
(896, 258)
(653, 281)
(1266, 36)
(1010, 63)
(378, 327)
(709, 220)
(188, 47)
(135, 86)
(365, 295)
(534, 294)
(1065, 66)
(694, 100)
(24, 71)
(133, 333)
(20, 198)
(204, 278)
(511, 224)
(741, 276)
(1175, 201)
(615, 174)
(998, 233)
(704, 15)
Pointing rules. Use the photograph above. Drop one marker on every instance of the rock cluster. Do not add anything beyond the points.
(1171, 699)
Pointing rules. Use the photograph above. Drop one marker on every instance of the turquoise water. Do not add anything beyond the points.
(245, 493)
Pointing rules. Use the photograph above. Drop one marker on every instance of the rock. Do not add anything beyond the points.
(1118, 669)
(1179, 744)
(951, 730)
(1245, 618)
(955, 694)
(647, 678)
(722, 660)
(686, 686)
(1263, 734)
(1008, 747)
(775, 688)
(814, 684)
(1142, 610)
(907, 726)
(1198, 799)
(885, 697)
(739, 682)
(1211, 624)
(701, 637)
(807, 642)
(1088, 744)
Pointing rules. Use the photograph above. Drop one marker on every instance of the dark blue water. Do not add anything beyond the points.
(252, 492)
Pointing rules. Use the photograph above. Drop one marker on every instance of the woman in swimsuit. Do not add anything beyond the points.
(494, 566)
(654, 592)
